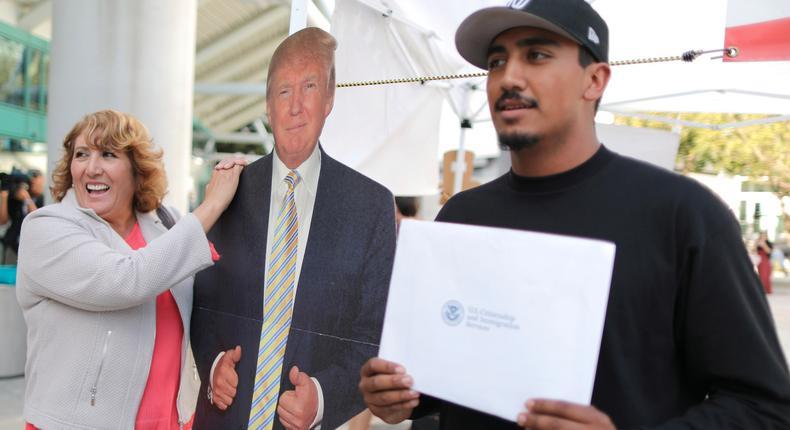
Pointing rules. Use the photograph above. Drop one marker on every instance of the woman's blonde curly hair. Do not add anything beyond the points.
(120, 132)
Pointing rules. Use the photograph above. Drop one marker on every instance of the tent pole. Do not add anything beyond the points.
(298, 16)
(381, 8)
(459, 167)
(402, 47)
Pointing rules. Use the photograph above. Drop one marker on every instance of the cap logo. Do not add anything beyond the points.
(593, 36)
(517, 4)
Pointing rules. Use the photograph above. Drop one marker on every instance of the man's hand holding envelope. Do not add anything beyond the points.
(386, 389)
(495, 320)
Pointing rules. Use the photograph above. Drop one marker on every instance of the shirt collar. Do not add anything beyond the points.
(308, 170)
(70, 199)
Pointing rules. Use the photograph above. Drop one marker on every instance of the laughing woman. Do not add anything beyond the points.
(105, 282)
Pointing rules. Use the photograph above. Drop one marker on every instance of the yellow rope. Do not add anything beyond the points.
(421, 80)
(424, 79)
(653, 59)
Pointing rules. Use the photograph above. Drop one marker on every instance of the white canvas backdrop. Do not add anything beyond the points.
(388, 132)
(658, 147)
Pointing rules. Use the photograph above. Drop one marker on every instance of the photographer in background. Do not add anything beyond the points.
(20, 194)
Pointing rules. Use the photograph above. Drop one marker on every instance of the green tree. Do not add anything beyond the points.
(759, 152)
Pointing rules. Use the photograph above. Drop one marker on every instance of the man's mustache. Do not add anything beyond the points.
(514, 95)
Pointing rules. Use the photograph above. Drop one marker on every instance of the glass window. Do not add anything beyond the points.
(35, 70)
(11, 72)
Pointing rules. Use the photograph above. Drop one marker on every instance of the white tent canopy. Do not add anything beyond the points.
(641, 29)
(391, 133)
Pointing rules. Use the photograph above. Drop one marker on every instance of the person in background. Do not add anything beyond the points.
(25, 194)
(778, 259)
(406, 207)
(105, 282)
(764, 249)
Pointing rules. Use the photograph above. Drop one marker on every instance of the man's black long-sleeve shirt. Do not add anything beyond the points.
(688, 342)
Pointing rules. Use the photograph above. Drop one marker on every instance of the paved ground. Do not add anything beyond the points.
(12, 389)
(12, 392)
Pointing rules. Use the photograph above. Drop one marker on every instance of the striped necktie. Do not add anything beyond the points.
(277, 310)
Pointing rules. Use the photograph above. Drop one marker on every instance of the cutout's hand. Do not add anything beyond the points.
(225, 381)
(297, 408)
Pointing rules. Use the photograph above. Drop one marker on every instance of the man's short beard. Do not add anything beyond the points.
(517, 141)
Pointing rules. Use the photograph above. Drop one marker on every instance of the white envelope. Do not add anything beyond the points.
(488, 318)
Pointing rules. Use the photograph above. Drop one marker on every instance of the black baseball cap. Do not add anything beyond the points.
(574, 19)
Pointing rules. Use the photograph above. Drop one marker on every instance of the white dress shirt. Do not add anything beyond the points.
(304, 197)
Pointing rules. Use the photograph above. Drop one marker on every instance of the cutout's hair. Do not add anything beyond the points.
(308, 42)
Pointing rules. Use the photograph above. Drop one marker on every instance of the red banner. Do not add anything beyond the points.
(760, 29)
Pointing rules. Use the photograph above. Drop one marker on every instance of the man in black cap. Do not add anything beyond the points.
(688, 340)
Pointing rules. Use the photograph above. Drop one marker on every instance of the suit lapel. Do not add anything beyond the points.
(260, 202)
(257, 190)
(247, 220)
(318, 249)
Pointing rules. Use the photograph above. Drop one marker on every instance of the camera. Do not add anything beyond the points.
(17, 179)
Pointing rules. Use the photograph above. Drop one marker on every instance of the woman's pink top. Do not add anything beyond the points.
(158, 406)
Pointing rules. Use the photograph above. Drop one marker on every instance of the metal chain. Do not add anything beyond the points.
(686, 56)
